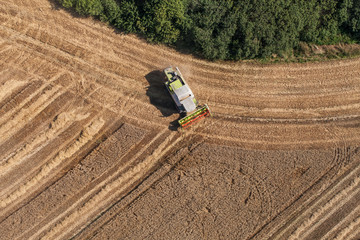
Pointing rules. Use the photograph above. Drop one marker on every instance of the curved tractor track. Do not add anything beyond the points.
(87, 128)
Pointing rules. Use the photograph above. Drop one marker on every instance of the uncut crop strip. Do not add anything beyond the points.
(279, 135)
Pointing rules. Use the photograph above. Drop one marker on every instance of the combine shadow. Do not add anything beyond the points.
(160, 97)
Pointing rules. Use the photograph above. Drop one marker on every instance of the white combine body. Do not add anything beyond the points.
(184, 98)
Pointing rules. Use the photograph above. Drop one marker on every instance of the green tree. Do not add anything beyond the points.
(129, 20)
(354, 19)
(328, 22)
(310, 13)
(89, 7)
(111, 11)
(163, 20)
(211, 27)
(350, 17)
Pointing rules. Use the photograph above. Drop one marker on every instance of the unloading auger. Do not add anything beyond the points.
(184, 98)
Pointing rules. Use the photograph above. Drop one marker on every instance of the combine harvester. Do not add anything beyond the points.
(184, 98)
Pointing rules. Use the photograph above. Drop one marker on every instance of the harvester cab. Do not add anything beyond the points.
(184, 98)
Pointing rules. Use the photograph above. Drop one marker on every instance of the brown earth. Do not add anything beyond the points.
(89, 148)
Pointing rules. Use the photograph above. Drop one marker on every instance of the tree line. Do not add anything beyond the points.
(231, 29)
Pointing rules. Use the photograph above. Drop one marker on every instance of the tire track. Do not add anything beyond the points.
(290, 120)
(272, 136)
(58, 50)
(266, 205)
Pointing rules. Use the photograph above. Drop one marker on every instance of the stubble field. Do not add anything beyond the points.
(88, 147)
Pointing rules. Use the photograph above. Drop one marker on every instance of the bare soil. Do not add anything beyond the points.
(89, 146)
